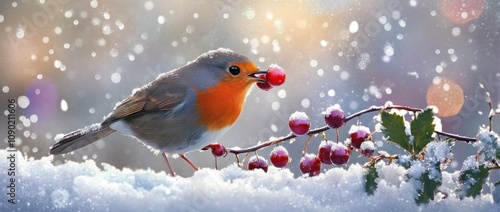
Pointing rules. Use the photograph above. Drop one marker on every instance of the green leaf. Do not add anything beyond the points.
(498, 152)
(394, 130)
(422, 129)
(429, 188)
(370, 179)
(472, 181)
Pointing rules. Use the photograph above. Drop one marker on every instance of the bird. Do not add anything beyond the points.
(180, 111)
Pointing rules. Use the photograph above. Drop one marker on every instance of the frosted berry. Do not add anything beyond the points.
(324, 152)
(264, 85)
(275, 75)
(257, 163)
(339, 155)
(279, 157)
(310, 164)
(218, 150)
(334, 116)
(358, 134)
(367, 149)
(299, 123)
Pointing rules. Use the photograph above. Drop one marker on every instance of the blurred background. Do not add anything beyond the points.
(68, 63)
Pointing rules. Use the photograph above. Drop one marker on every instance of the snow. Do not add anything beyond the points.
(416, 169)
(323, 143)
(332, 108)
(71, 186)
(59, 137)
(488, 143)
(336, 146)
(278, 148)
(297, 115)
(367, 145)
(91, 128)
(354, 128)
(439, 152)
(470, 163)
(255, 158)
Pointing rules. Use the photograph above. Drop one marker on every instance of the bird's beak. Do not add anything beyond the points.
(256, 74)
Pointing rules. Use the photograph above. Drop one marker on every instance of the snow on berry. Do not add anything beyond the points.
(299, 123)
(339, 155)
(279, 157)
(334, 116)
(367, 148)
(275, 75)
(257, 163)
(325, 147)
(310, 164)
(358, 134)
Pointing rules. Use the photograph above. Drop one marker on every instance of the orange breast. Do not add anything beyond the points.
(219, 107)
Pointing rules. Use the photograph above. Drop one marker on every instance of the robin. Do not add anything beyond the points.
(181, 110)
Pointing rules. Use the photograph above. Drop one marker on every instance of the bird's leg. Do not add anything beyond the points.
(189, 162)
(168, 164)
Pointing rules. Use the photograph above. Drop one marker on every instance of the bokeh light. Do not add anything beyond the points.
(446, 95)
(462, 11)
(42, 95)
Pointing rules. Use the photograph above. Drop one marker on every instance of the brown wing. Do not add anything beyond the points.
(162, 94)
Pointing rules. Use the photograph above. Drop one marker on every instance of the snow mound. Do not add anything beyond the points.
(41, 186)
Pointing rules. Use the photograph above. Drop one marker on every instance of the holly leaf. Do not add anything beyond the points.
(394, 130)
(472, 181)
(370, 179)
(429, 188)
(422, 129)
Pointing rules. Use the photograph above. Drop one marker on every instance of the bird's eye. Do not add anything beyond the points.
(234, 70)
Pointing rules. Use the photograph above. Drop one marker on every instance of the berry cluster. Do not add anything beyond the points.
(275, 76)
(426, 154)
(329, 152)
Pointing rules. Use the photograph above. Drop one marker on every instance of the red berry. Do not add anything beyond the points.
(324, 152)
(257, 163)
(264, 85)
(339, 155)
(310, 164)
(218, 150)
(367, 149)
(299, 123)
(334, 116)
(358, 134)
(279, 157)
(275, 75)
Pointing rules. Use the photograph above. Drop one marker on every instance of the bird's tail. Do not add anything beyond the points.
(79, 138)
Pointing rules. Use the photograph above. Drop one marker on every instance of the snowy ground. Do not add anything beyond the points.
(42, 186)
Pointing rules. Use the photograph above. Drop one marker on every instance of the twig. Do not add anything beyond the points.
(348, 118)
